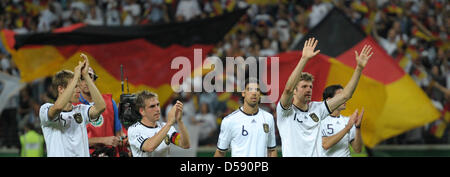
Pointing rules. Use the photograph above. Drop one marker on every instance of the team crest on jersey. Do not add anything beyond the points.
(166, 140)
(266, 128)
(314, 117)
(98, 122)
(78, 118)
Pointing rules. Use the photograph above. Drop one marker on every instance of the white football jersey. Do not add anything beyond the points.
(300, 130)
(138, 133)
(333, 125)
(66, 136)
(248, 135)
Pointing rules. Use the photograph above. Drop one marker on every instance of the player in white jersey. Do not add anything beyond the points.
(338, 132)
(151, 138)
(250, 131)
(299, 119)
(64, 125)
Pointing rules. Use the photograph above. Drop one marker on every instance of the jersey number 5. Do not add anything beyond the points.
(329, 128)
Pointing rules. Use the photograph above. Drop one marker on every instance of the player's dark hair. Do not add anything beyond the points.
(251, 80)
(330, 91)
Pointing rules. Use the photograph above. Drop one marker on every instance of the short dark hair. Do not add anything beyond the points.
(251, 80)
(248, 81)
(330, 91)
(142, 96)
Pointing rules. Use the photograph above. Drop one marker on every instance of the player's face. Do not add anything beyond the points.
(343, 106)
(304, 91)
(83, 86)
(151, 111)
(75, 94)
(251, 94)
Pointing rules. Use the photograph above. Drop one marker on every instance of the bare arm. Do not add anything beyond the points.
(99, 104)
(349, 89)
(184, 135)
(66, 95)
(219, 153)
(357, 143)
(307, 54)
(108, 141)
(152, 143)
(330, 141)
(272, 152)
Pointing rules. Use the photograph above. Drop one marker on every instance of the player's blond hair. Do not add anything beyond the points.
(61, 78)
(142, 96)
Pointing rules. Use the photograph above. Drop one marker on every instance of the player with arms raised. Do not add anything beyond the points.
(298, 118)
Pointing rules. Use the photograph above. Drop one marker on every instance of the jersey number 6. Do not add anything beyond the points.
(244, 132)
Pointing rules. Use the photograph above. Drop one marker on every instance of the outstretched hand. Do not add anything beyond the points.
(85, 68)
(308, 48)
(353, 119)
(359, 118)
(179, 111)
(175, 114)
(78, 69)
(364, 56)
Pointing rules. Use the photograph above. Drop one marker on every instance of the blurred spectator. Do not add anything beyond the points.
(27, 109)
(8, 124)
(112, 13)
(47, 19)
(318, 11)
(207, 125)
(132, 12)
(155, 11)
(187, 10)
(94, 17)
(32, 143)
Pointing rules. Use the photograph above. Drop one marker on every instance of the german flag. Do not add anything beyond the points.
(440, 126)
(146, 52)
(393, 102)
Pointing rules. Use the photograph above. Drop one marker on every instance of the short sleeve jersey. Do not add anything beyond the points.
(331, 126)
(248, 135)
(138, 133)
(300, 130)
(66, 136)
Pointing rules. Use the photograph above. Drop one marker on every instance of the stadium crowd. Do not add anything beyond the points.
(414, 32)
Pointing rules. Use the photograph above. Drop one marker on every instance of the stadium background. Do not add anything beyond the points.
(407, 110)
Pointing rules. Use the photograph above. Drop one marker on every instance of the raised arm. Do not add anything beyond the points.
(357, 143)
(99, 104)
(64, 98)
(330, 141)
(347, 93)
(184, 135)
(152, 143)
(307, 54)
